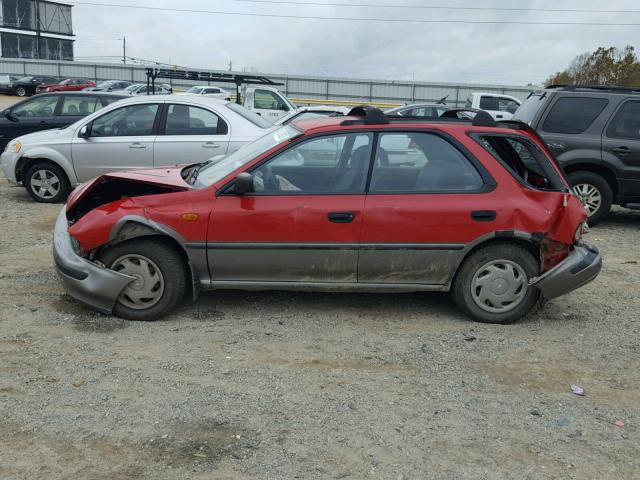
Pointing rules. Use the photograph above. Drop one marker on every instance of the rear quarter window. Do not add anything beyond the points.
(573, 115)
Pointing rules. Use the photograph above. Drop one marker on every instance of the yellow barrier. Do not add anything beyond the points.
(342, 103)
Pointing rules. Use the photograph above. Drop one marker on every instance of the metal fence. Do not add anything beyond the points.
(298, 88)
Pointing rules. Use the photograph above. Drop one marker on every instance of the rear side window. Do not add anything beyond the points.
(79, 106)
(488, 103)
(573, 114)
(416, 162)
(523, 160)
(626, 122)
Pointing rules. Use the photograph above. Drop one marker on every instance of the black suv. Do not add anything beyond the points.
(594, 132)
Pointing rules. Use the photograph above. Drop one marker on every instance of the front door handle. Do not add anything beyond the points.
(44, 122)
(210, 145)
(341, 217)
(621, 150)
(483, 215)
(137, 145)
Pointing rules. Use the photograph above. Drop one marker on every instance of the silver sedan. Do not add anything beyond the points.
(136, 133)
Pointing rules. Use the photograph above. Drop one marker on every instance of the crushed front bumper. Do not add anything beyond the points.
(581, 266)
(85, 281)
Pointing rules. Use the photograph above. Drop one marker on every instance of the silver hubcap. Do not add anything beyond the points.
(45, 183)
(148, 285)
(21, 91)
(499, 286)
(590, 196)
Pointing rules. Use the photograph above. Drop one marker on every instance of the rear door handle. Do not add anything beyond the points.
(483, 215)
(137, 145)
(621, 150)
(44, 122)
(210, 145)
(341, 217)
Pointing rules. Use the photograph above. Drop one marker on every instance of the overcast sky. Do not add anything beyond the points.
(470, 53)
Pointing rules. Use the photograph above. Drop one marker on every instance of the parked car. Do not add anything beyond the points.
(134, 133)
(500, 107)
(423, 110)
(141, 89)
(594, 132)
(487, 214)
(315, 111)
(208, 91)
(8, 78)
(25, 86)
(67, 85)
(49, 110)
(109, 86)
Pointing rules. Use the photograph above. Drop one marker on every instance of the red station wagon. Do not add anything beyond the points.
(365, 202)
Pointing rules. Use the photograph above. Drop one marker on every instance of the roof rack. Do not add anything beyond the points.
(374, 116)
(602, 88)
(175, 74)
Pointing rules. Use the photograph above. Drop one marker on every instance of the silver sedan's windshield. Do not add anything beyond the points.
(216, 171)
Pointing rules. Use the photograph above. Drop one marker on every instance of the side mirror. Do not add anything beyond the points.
(243, 183)
(10, 116)
(84, 132)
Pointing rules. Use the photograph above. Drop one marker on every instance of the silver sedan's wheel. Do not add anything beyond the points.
(590, 196)
(45, 184)
(147, 288)
(499, 286)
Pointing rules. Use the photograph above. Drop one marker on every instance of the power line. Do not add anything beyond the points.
(435, 7)
(361, 19)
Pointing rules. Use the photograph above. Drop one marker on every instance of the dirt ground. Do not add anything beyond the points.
(314, 386)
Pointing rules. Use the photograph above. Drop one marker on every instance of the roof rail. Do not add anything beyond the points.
(603, 88)
(370, 116)
(480, 118)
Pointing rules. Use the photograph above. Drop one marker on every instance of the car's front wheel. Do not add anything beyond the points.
(160, 278)
(492, 285)
(46, 183)
(21, 92)
(594, 192)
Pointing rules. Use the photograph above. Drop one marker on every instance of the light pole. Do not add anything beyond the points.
(124, 49)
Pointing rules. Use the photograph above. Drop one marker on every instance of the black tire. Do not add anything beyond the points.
(172, 269)
(601, 185)
(52, 171)
(462, 284)
(20, 91)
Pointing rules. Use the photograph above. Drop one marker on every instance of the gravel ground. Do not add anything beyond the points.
(314, 386)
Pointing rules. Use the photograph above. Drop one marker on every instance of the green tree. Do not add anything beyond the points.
(605, 66)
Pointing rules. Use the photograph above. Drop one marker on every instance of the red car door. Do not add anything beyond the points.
(302, 223)
(419, 211)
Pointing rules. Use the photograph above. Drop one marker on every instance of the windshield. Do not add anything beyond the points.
(106, 84)
(527, 111)
(216, 171)
(24, 79)
(194, 90)
(133, 87)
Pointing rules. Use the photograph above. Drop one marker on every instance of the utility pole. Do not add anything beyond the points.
(124, 50)
(37, 2)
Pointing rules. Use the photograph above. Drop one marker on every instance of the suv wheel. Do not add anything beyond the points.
(160, 278)
(594, 192)
(46, 183)
(492, 286)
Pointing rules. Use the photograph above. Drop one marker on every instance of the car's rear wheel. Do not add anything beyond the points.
(160, 278)
(594, 192)
(21, 91)
(492, 285)
(46, 183)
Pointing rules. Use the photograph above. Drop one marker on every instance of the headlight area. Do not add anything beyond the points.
(75, 244)
(13, 146)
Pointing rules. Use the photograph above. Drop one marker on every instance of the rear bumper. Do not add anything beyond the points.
(581, 266)
(85, 281)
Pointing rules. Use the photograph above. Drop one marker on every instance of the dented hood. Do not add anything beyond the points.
(162, 177)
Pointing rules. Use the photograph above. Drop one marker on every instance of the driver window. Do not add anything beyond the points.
(80, 106)
(133, 120)
(268, 100)
(38, 107)
(332, 164)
